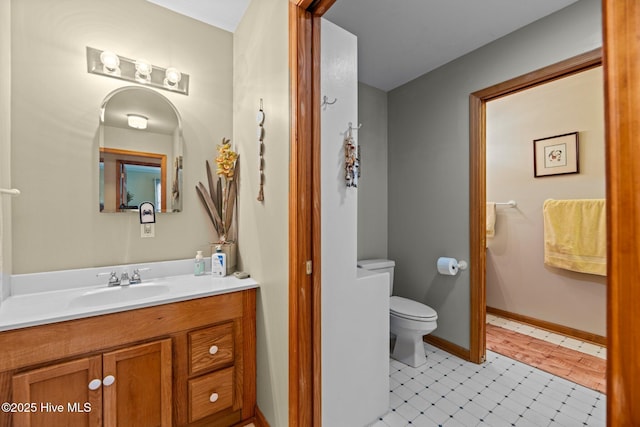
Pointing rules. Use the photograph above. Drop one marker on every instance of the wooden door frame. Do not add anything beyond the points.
(305, 396)
(477, 177)
(141, 158)
(621, 31)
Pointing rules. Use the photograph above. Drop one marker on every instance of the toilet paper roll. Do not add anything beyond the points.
(447, 266)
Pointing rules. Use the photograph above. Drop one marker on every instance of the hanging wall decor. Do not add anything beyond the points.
(260, 121)
(351, 158)
(556, 155)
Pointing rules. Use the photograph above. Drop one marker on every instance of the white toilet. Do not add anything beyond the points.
(410, 320)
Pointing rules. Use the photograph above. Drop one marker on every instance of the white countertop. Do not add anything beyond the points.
(61, 303)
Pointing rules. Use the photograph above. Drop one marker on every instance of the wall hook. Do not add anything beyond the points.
(325, 101)
(10, 191)
(351, 128)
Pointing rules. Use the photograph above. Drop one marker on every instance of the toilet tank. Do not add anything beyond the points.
(380, 266)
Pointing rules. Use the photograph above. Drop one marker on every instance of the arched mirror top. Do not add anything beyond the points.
(162, 116)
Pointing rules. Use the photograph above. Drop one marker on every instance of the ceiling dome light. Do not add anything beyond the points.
(137, 121)
(172, 77)
(110, 61)
(143, 70)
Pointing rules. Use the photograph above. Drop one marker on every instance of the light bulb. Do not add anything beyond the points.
(143, 70)
(172, 77)
(110, 61)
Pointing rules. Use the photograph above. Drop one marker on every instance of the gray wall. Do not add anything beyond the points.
(372, 188)
(429, 156)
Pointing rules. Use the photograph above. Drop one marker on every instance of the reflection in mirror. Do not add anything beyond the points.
(140, 159)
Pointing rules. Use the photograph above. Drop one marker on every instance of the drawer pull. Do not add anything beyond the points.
(108, 380)
(213, 397)
(95, 384)
(213, 349)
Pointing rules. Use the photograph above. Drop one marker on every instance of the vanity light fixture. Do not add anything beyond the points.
(137, 121)
(140, 71)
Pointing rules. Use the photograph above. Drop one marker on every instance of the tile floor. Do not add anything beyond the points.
(561, 340)
(449, 391)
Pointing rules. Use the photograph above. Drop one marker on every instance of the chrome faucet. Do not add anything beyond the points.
(113, 279)
(124, 279)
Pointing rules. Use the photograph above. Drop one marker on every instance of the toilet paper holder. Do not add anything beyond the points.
(450, 266)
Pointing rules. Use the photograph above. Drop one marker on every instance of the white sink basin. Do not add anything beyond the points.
(118, 294)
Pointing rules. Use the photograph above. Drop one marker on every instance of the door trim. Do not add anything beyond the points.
(305, 393)
(621, 21)
(477, 184)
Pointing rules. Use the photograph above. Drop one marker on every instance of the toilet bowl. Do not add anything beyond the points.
(410, 320)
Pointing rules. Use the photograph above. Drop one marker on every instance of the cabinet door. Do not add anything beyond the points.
(140, 394)
(61, 395)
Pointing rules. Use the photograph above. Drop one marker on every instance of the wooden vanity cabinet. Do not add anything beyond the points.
(56, 385)
(142, 391)
(126, 387)
(189, 363)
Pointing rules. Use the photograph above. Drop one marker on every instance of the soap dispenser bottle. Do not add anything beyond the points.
(219, 263)
(198, 267)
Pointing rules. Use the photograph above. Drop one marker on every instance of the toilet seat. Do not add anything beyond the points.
(411, 310)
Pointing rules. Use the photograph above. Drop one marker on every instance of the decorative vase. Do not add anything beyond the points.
(229, 249)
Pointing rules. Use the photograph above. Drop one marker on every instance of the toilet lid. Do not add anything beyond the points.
(410, 309)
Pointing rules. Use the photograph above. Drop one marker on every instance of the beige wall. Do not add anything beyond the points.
(56, 224)
(5, 145)
(517, 279)
(261, 71)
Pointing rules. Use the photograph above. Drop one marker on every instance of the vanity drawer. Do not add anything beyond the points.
(210, 394)
(210, 348)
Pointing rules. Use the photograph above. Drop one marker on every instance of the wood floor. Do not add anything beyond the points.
(581, 368)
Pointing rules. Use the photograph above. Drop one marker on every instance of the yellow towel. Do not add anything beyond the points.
(491, 219)
(575, 235)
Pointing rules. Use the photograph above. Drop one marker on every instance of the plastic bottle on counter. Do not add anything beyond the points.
(198, 266)
(219, 263)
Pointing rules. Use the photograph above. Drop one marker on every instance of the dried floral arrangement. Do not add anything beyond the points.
(220, 200)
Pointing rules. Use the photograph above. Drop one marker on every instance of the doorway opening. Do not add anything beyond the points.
(478, 191)
(543, 309)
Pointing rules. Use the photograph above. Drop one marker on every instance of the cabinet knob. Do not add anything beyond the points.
(213, 397)
(95, 384)
(213, 349)
(108, 380)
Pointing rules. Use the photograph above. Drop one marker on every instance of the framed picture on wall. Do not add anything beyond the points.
(556, 155)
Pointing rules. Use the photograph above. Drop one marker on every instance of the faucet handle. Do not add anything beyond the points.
(113, 278)
(135, 277)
